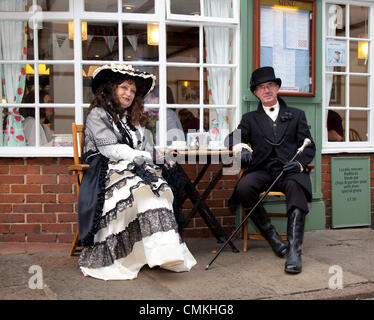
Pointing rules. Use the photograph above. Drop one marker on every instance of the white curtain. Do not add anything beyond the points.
(13, 46)
(331, 23)
(219, 50)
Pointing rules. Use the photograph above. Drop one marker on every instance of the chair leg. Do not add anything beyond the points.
(245, 232)
(74, 243)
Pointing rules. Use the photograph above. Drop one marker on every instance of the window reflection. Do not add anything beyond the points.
(335, 125)
(182, 44)
(102, 41)
(135, 45)
(54, 42)
(358, 125)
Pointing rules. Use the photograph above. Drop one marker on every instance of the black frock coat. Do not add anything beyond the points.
(281, 138)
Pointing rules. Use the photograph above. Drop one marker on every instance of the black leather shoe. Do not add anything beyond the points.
(295, 232)
(263, 223)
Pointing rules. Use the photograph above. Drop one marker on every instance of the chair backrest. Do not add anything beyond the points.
(354, 135)
(77, 131)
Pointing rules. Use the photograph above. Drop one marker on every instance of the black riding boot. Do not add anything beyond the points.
(262, 222)
(295, 232)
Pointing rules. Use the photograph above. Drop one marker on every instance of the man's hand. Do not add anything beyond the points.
(292, 167)
(245, 158)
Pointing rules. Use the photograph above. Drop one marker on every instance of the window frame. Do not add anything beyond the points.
(348, 146)
(163, 17)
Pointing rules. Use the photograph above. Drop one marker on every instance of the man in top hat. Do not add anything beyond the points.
(265, 141)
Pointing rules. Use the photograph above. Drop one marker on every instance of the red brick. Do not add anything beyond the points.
(4, 169)
(41, 237)
(221, 194)
(67, 198)
(214, 203)
(61, 207)
(53, 188)
(67, 217)
(66, 179)
(66, 161)
(4, 228)
(55, 169)
(11, 161)
(5, 208)
(41, 161)
(228, 221)
(23, 188)
(25, 170)
(65, 238)
(4, 188)
(11, 179)
(12, 218)
(12, 238)
(41, 198)
(41, 217)
(56, 227)
(38, 179)
(18, 228)
(12, 198)
(27, 208)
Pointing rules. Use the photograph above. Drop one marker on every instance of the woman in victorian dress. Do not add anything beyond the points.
(125, 210)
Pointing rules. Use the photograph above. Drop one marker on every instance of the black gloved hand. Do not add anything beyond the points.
(245, 158)
(292, 167)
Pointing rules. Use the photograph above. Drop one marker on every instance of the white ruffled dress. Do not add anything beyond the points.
(137, 224)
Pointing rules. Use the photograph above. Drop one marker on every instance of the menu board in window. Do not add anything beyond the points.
(284, 38)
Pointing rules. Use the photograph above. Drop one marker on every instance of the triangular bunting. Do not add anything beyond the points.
(133, 39)
(110, 40)
(88, 41)
(60, 39)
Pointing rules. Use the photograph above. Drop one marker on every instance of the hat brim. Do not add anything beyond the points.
(104, 73)
(278, 81)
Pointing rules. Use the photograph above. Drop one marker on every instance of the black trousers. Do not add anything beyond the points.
(250, 186)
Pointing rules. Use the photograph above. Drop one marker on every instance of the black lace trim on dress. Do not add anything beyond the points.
(120, 245)
(125, 203)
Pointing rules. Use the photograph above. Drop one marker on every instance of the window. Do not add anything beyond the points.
(347, 100)
(56, 46)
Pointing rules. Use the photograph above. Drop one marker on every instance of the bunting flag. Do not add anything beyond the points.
(88, 41)
(133, 39)
(110, 40)
(60, 39)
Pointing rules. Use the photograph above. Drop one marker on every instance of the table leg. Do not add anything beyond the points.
(204, 210)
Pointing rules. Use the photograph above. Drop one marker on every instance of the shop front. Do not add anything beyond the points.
(202, 53)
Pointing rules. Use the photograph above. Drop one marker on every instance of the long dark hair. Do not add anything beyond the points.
(105, 97)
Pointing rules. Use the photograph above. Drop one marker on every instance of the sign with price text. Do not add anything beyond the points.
(350, 188)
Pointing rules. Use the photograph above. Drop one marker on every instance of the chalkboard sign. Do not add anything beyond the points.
(285, 39)
(350, 187)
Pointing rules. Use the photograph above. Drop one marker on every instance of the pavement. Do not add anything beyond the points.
(337, 264)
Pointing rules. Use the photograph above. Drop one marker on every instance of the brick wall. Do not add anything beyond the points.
(38, 201)
(326, 182)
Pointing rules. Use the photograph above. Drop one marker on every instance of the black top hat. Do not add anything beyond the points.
(104, 73)
(262, 75)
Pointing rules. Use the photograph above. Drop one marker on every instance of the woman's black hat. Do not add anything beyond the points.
(104, 73)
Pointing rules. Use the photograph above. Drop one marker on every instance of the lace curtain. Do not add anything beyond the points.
(13, 46)
(219, 50)
(331, 23)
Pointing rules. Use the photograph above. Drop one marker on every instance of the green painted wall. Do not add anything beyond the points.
(312, 107)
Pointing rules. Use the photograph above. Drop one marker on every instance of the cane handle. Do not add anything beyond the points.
(306, 143)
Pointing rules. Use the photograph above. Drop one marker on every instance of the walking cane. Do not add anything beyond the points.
(306, 143)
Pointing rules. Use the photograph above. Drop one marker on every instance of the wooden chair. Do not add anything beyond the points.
(78, 169)
(354, 135)
(258, 236)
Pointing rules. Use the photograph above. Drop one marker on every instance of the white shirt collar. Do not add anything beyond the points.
(272, 111)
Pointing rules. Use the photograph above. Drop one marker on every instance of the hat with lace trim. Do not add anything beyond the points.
(104, 74)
